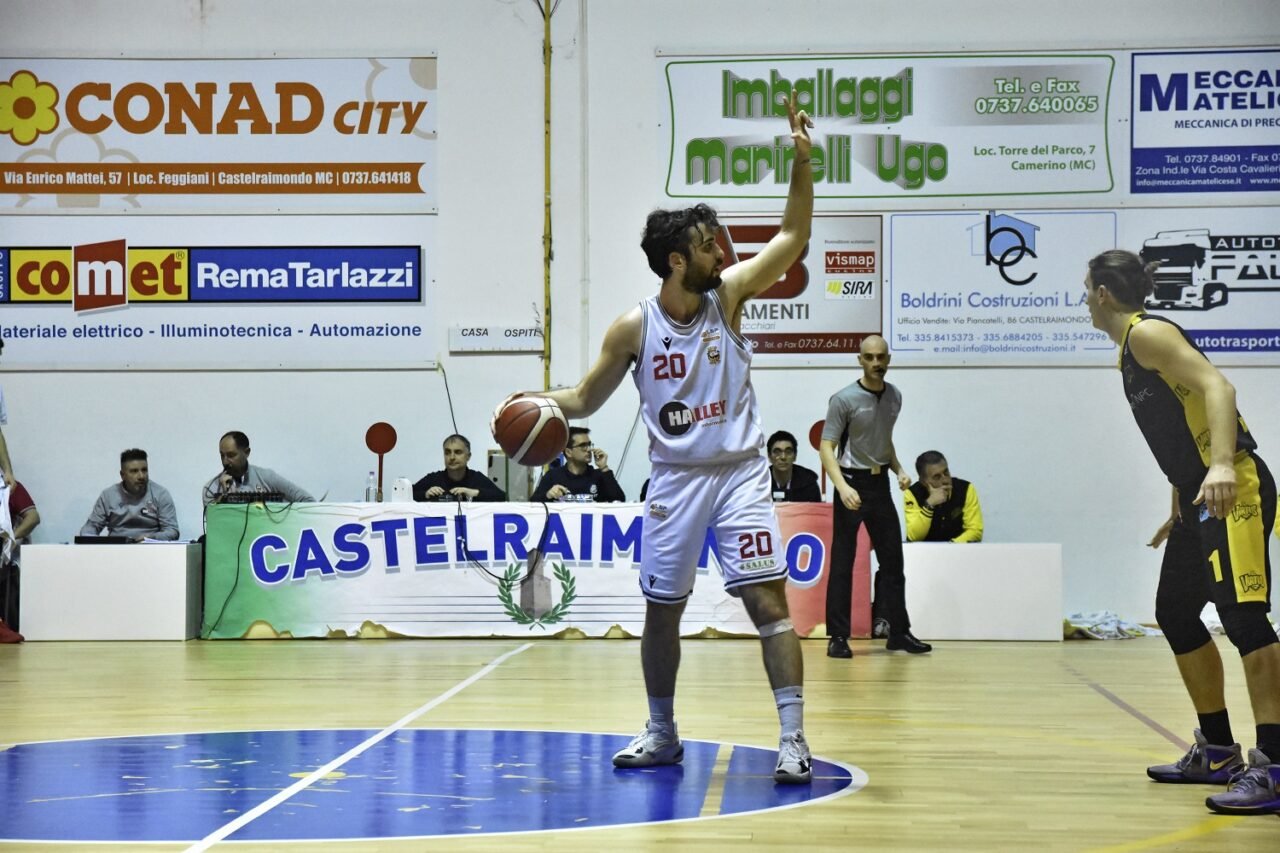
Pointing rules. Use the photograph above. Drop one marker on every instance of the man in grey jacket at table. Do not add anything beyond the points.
(134, 507)
(239, 476)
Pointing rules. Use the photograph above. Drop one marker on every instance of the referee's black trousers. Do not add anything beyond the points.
(880, 514)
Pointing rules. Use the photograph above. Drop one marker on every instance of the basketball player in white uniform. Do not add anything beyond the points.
(692, 369)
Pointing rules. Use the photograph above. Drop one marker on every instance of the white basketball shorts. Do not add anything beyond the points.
(732, 500)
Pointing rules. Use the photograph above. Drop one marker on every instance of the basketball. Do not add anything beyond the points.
(531, 430)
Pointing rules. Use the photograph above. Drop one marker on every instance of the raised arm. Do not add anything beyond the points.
(755, 275)
(1161, 347)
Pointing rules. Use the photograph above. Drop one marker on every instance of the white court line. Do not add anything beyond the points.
(314, 776)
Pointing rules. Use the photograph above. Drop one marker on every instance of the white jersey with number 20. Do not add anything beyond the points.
(695, 387)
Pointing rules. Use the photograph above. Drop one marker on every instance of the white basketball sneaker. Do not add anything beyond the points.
(652, 746)
(794, 761)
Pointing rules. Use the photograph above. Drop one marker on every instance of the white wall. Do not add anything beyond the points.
(1054, 452)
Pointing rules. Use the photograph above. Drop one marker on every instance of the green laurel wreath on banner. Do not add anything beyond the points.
(568, 594)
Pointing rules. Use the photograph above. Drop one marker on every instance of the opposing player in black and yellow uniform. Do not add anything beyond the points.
(1224, 507)
(939, 507)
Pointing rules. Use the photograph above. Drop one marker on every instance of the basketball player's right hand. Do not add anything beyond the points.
(850, 498)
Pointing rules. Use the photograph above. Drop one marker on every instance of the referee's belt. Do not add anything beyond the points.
(873, 471)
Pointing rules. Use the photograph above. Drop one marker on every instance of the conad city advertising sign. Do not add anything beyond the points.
(154, 136)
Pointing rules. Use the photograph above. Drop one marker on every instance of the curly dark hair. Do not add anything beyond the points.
(667, 231)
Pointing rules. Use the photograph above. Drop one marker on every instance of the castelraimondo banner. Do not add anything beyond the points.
(431, 570)
(891, 126)
(184, 135)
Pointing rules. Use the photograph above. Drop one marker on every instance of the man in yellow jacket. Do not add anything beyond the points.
(939, 507)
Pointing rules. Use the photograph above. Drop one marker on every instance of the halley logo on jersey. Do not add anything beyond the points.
(113, 274)
(711, 335)
(658, 511)
(676, 418)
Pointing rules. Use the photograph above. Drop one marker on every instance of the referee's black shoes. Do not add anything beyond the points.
(906, 642)
(838, 647)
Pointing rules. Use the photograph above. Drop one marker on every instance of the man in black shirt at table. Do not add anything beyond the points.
(576, 480)
(791, 482)
(457, 482)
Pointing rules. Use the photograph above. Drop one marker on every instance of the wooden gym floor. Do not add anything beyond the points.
(979, 746)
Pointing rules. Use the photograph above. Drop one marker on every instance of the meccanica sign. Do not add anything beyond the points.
(194, 135)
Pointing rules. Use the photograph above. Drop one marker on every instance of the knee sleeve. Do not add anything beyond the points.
(1247, 627)
(773, 629)
(1182, 628)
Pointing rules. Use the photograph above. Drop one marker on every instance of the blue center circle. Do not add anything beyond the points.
(414, 783)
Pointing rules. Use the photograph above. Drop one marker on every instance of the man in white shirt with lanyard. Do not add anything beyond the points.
(692, 369)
